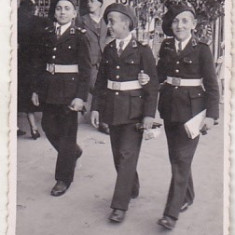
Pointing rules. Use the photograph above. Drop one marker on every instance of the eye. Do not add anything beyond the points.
(185, 21)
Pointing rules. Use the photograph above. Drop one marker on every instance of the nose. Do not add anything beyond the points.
(180, 24)
(62, 10)
(109, 24)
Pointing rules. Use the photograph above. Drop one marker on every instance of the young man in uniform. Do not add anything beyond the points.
(63, 87)
(187, 71)
(126, 100)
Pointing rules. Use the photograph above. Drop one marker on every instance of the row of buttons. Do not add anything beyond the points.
(177, 70)
(117, 76)
(54, 49)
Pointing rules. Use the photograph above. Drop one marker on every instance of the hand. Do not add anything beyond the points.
(95, 118)
(207, 123)
(148, 122)
(143, 78)
(76, 104)
(35, 99)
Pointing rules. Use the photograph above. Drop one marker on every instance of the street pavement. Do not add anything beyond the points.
(84, 209)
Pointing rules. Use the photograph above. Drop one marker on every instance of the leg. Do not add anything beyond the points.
(68, 151)
(125, 153)
(181, 151)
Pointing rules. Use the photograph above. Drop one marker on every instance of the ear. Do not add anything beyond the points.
(74, 13)
(194, 23)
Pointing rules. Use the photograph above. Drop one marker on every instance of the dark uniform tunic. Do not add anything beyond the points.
(57, 90)
(178, 104)
(123, 109)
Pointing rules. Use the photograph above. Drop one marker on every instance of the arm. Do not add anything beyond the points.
(84, 64)
(210, 82)
(151, 88)
(161, 66)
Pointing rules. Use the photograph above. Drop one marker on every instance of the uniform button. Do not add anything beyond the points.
(116, 93)
(132, 62)
(117, 67)
(177, 62)
(176, 70)
(53, 57)
(72, 78)
(54, 49)
(117, 76)
(176, 87)
(69, 47)
(199, 94)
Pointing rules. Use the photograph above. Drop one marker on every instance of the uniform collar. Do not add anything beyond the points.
(184, 43)
(125, 40)
(63, 27)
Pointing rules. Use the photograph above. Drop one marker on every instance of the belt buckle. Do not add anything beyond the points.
(116, 86)
(51, 68)
(176, 81)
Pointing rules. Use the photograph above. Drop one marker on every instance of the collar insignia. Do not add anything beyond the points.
(134, 44)
(72, 31)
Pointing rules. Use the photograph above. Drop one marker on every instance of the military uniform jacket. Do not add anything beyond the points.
(179, 103)
(96, 38)
(70, 49)
(123, 107)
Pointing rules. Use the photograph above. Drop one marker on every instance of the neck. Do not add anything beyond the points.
(96, 13)
(124, 35)
(182, 40)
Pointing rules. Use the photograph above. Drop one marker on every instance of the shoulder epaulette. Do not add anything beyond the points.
(49, 29)
(143, 43)
(205, 42)
(81, 29)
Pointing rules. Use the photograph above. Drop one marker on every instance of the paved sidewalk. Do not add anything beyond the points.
(84, 209)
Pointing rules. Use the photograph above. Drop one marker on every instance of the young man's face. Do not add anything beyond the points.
(64, 12)
(182, 25)
(117, 27)
(93, 5)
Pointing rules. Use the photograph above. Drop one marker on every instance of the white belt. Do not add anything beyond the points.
(123, 86)
(176, 81)
(60, 68)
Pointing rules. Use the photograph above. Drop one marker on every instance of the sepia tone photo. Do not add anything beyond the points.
(121, 117)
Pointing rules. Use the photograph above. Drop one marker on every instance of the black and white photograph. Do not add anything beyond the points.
(121, 117)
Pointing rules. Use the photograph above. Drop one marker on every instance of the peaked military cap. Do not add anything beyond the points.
(173, 11)
(126, 10)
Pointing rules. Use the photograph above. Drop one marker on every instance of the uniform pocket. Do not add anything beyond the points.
(197, 99)
(70, 87)
(136, 104)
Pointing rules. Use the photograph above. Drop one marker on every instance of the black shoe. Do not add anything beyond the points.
(135, 193)
(117, 215)
(167, 222)
(104, 128)
(35, 134)
(20, 132)
(60, 188)
(185, 206)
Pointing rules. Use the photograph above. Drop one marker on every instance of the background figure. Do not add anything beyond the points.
(96, 32)
(29, 34)
(220, 70)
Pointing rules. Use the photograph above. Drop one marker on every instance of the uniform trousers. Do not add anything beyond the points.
(181, 151)
(60, 126)
(126, 143)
